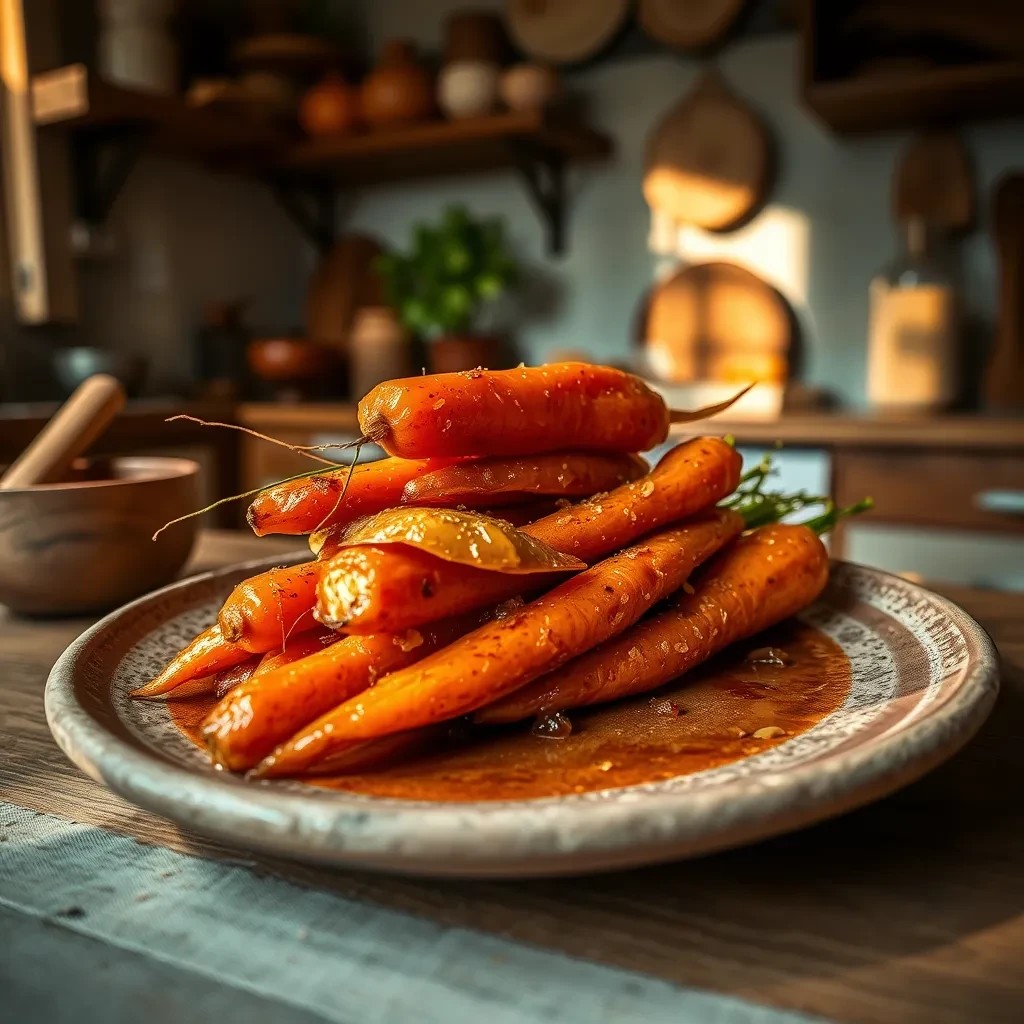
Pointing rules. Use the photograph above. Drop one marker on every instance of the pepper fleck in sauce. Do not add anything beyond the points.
(740, 704)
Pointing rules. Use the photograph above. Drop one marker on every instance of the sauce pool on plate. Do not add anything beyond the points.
(756, 695)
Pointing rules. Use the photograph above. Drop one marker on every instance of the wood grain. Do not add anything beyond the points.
(911, 910)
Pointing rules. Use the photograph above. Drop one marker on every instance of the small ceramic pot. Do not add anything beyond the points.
(527, 87)
(87, 545)
(380, 347)
(399, 90)
(454, 352)
(468, 89)
(329, 108)
(296, 368)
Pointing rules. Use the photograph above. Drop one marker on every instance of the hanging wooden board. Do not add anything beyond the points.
(565, 31)
(717, 322)
(709, 160)
(343, 283)
(689, 25)
(934, 182)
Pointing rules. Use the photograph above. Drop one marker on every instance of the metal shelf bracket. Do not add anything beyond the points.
(543, 173)
(313, 208)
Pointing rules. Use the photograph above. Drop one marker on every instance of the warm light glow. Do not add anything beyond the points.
(775, 246)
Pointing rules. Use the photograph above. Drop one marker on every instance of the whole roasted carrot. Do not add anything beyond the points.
(508, 479)
(313, 502)
(211, 652)
(386, 589)
(251, 720)
(399, 588)
(224, 682)
(509, 652)
(518, 412)
(298, 647)
(263, 612)
(761, 579)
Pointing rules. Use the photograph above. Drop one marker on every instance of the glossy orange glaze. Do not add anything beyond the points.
(524, 411)
(705, 721)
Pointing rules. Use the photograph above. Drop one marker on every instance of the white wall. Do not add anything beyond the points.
(832, 192)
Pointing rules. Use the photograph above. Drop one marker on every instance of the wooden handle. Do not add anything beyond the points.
(79, 422)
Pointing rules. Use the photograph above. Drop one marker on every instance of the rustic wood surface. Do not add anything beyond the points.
(911, 910)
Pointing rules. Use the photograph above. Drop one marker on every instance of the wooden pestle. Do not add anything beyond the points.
(74, 427)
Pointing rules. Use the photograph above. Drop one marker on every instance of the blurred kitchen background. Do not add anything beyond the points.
(253, 210)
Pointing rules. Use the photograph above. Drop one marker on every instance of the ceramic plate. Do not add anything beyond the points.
(924, 676)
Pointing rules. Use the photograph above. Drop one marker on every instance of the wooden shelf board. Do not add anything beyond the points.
(443, 147)
(873, 103)
(74, 98)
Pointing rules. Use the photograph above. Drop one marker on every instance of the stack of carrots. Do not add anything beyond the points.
(425, 603)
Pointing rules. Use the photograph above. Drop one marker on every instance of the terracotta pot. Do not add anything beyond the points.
(329, 108)
(297, 367)
(468, 88)
(454, 352)
(399, 90)
(475, 35)
(527, 87)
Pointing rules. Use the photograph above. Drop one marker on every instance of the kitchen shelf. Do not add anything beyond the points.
(445, 147)
(73, 97)
(867, 103)
(111, 125)
(535, 145)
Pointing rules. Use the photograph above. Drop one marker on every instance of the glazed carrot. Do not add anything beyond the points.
(515, 412)
(370, 589)
(509, 652)
(264, 612)
(312, 502)
(224, 682)
(507, 479)
(298, 647)
(251, 720)
(207, 655)
(759, 580)
(397, 588)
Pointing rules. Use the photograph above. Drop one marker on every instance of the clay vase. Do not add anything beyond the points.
(381, 349)
(452, 353)
(468, 88)
(399, 90)
(330, 108)
(528, 87)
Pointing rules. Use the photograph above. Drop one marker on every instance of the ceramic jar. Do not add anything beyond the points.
(136, 48)
(380, 349)
(527, 87)
(399, 90)
(329, 108)
(468, 88)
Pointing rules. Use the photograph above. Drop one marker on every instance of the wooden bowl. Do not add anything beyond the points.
(86, 546)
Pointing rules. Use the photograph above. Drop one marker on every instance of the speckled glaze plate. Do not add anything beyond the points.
(924, 676)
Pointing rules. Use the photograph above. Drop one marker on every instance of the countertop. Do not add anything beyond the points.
(911, 910)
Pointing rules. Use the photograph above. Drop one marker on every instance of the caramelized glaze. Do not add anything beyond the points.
(730, 709)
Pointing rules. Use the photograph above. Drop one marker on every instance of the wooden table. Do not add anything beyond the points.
(911, 910)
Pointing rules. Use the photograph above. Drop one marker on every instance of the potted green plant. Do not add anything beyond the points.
(442, 287)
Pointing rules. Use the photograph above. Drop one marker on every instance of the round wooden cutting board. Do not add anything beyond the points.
(688, 24)
(709, 160)
(717, 322)
(565, 31)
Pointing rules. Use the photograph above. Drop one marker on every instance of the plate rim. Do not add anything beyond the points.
(566, 835)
